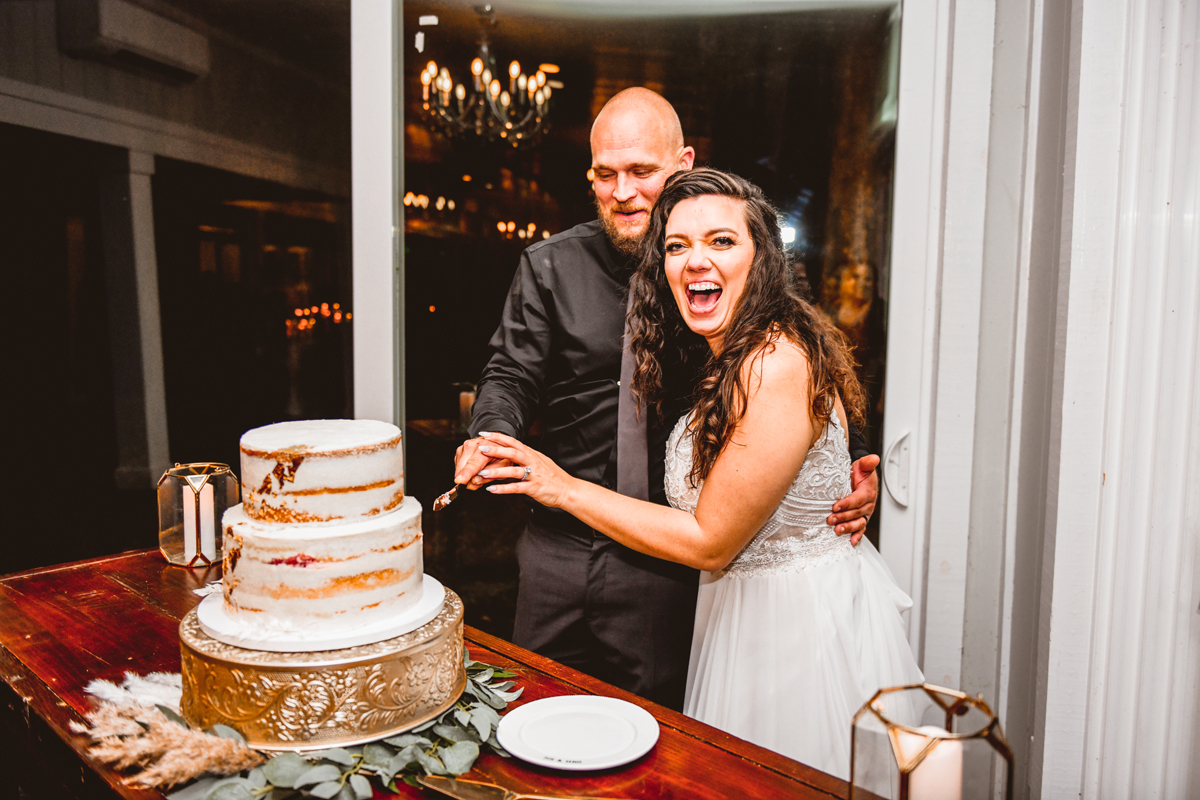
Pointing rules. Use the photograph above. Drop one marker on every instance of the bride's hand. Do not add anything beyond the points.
(532, 473)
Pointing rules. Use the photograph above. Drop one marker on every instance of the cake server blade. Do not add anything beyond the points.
(464, 789)
(447, 498)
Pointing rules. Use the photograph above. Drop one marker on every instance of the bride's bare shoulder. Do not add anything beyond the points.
(777, 363)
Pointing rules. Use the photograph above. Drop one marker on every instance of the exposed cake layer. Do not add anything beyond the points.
(321, 470)
(322, 576)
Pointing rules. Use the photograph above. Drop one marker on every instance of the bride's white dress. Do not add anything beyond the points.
(802, 627)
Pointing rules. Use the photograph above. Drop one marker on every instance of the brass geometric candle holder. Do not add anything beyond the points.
(192, 498)
(923, 742)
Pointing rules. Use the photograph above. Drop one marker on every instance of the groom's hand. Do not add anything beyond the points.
(468, 461)
(850, 514)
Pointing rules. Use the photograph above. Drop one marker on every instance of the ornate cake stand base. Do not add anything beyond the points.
(309, 701)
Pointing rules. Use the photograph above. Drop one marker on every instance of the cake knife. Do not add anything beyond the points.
(464, 789)
(447, 498)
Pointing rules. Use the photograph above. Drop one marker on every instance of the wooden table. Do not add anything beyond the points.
(62, 626)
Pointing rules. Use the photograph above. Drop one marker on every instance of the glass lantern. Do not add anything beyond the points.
(923, 742)
(192, 498)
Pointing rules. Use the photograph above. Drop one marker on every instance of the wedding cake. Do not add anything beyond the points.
(325, 550)
(326, 632)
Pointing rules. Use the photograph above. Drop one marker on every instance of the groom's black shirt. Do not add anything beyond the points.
(556, 359)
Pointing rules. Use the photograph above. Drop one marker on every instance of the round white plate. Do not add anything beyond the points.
(217, 622)
(578, 732)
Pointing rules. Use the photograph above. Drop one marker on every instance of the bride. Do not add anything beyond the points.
(795, 627)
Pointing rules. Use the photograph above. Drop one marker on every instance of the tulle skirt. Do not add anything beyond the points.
(786, 658)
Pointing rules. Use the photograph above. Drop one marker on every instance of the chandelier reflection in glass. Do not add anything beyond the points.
(513, 110)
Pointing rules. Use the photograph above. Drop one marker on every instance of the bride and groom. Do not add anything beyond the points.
(791, 627)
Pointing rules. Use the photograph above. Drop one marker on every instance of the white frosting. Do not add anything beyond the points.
(321, 470)
(322, 576)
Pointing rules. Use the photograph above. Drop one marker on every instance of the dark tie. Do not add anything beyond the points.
(633, 478)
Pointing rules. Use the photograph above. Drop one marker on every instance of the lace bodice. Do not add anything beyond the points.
(796, 536)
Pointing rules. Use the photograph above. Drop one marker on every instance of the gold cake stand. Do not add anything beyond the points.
(331, 698)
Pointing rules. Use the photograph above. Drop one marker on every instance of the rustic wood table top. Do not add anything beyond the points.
(61, 627)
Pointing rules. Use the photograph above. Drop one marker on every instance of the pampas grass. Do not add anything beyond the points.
(163, 753)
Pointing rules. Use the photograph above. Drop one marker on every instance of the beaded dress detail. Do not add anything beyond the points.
(796, 536)
(801, 628)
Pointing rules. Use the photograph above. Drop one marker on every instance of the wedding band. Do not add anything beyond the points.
(528, 470)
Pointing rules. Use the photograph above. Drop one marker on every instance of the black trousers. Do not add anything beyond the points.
(611, 612)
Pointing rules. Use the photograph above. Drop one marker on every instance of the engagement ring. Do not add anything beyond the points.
(528, 470)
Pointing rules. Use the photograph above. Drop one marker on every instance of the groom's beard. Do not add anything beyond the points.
(627, 243)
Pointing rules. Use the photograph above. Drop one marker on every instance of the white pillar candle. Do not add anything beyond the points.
(200, 509)
(208, 528)
(939, 775)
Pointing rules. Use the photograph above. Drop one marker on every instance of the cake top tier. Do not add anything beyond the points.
(317, 437)
(321, 470)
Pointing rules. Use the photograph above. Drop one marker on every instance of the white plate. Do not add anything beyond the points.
(217, 622)
(578, 732)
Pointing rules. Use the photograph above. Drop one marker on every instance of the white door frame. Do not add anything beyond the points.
(933, 317)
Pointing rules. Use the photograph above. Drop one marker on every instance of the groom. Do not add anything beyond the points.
(585, 600)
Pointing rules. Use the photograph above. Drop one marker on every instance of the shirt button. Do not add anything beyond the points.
(618, 383)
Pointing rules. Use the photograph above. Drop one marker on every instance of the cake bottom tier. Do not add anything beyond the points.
(309, 701)
(321, 577)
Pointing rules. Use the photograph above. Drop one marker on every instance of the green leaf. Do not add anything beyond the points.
(377, 755)
(482, 725)
(170, 714)
(508, 697)
(452, 733)
(462, 717)
(460, 758)
(504, 673)
(402, 759)
(257, 778)
(226, 732)
(284, 769)
(347, 793)
(423, 727)
(337, 755)
(431, 764)
(326, 789)
(412, 781)
(502, 686)
(317, 774)
(487, 712)
(194, 791)
(405, 739)
(484, 676)
(486, 695)
(496, 748)
(361, 786)
(230, 790)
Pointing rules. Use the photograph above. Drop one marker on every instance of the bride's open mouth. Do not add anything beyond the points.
(703, 296)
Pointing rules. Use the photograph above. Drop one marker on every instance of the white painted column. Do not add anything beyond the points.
(135, 329)
(376, 180)
(1122, 642)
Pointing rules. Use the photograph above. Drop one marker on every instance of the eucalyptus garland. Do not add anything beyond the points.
(446, 745)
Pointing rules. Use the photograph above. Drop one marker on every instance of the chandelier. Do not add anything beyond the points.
(514, 111)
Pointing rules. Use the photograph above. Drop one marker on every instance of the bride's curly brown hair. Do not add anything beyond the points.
(770, 309)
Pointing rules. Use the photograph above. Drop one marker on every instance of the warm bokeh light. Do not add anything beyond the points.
(551, 68)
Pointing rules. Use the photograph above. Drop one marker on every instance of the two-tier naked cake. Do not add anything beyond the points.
(322, 566)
